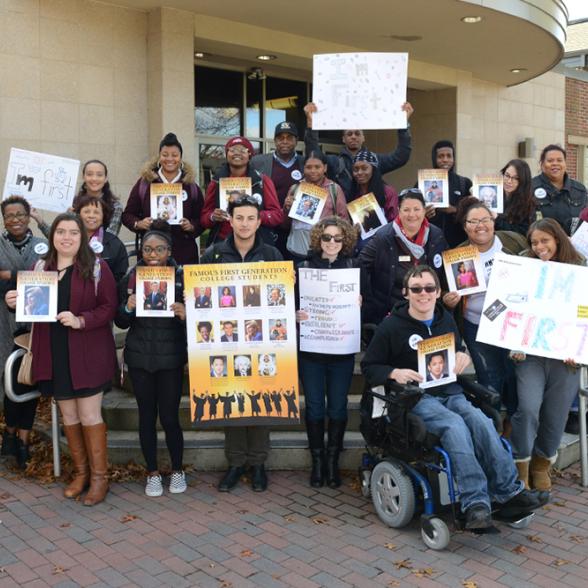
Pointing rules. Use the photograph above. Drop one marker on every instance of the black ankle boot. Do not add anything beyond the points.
(22, 454)
(334, 446)
(316, 441)
(8, 444)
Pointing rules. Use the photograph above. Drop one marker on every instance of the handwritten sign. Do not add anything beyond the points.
(48, 182)
(359, 90)
(537, 307)
(331, 298)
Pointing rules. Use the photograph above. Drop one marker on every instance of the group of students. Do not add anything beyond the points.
(75, 360)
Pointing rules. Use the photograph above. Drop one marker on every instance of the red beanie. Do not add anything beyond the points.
(240, 141)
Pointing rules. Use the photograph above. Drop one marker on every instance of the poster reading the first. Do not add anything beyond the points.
(359, 90)
(47, 181)
(242, 344)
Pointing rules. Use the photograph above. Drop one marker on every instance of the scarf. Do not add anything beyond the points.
(416, 245)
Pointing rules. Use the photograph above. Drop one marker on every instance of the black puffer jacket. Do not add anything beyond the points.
(225, 252)
(115, 255)
(383, 261)
(152, 344)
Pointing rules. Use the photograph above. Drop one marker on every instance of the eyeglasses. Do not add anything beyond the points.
(483, 221)
(325, 238)
(159, 249)
(18, 216)
(240, 150)
(507, 176)
(419, 289)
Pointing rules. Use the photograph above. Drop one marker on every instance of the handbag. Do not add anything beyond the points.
(25, 371)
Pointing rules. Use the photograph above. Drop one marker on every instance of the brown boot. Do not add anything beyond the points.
(523, 469)
(77, 449)
(95, 438)
(539, 472)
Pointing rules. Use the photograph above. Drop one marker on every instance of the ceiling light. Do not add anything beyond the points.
(266, 57)
(471, 19)
(201, 55)
(517, 70)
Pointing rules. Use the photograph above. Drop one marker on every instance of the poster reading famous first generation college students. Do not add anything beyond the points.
(242, 344)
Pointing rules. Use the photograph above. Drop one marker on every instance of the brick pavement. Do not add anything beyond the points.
(290, 536)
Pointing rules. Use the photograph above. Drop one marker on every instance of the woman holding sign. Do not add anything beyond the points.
(96, 215)
(332, 241)
(168, 168)
(491, 363)
(155, 352)
(546, 387)
(19, 250)
(74, 358)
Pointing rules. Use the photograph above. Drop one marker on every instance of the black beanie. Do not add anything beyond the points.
(440, 145)
(170, 140)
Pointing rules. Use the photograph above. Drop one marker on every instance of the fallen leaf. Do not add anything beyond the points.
(424, 573)
(246, 553)
(58, 570)
(560, 562)
(403, 564)
(577, 539)
(128, 518)
(559, 502)
(320, 520)
(289, 518)
(225, 584)
(390, 546)
(5, 496)
(211, 565)
(469, 584)
(534, 539)
(65, 525)
(519, 549)
(242, 511)
(2, 570)
(393, 583)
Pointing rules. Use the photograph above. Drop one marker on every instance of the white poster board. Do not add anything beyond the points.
(537, 307)
(359, 90)
(580, 239)
(47, 181)
(331, 299)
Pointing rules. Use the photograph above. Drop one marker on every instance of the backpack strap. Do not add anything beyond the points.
(333, 194)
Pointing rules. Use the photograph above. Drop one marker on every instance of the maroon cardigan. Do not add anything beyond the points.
(92, 354)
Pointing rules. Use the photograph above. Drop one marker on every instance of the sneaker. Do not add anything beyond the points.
(154, 487)
(177, 483)
(478, 517)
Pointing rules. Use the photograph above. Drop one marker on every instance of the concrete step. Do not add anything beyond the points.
(119, 409)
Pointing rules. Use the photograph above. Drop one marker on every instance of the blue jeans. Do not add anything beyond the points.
(483, 468)
(332, 378)
(493, 367)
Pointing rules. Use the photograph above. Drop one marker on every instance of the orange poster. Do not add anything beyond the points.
(242, 344)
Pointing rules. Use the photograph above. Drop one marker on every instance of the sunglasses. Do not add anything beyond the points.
(419, 289)
(328, 238)
(252, 200)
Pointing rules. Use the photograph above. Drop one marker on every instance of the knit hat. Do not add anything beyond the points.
(170, 140)
(367, 156)
(240, 141)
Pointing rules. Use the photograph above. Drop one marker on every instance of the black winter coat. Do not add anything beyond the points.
(380, 259)
(152, 344)
(115, 255)
(225, 252)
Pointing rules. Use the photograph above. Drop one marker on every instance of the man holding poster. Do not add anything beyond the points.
(484, 469)
(244, 445)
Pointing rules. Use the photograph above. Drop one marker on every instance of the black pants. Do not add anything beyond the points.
(159, 392)
(20, 414)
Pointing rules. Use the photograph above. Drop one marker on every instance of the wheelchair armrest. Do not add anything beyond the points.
(477, 393)
(403, 392)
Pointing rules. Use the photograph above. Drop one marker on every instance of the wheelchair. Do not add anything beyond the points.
(406, 471)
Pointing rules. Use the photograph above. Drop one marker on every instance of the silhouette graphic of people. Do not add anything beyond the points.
(277, 400)
(227, 404)
(199, 401)
(254, 399)
(212, 402)
(291, 400)
(267, 400)
(241, 403)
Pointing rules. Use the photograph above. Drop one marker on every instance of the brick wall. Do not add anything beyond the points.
(576, 119)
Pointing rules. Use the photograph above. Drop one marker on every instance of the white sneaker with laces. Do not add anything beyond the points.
(177, 483)
(154, 487)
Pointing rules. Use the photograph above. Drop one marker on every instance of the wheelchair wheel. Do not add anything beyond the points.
(440, 534)
(364, 480)
(392, 494)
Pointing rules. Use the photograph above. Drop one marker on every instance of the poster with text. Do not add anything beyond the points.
(539, 307)
(155, 291)
(488, 189)
(368, 214)
(359, 90)
(309, 201)
(436, 357)
(242, 355)
(47, 181)
(464, 270)
(331, 300)
(434, 184)
(233, 189)
(166, 202)
(37, 297)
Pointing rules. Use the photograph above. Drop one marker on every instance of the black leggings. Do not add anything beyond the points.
(20, 415)
(159, 392)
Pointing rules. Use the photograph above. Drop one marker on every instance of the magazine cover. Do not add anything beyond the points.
(231, 189)
(434, 184)
(308, 204)
(488, 189)
(37, 297)
(367, 213)
(437, 360)
(166, 202)
(155, 291)
(464, 270)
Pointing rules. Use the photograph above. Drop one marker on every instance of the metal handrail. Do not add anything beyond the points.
(18, 398)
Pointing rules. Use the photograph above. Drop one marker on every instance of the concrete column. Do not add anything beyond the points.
(170, 60)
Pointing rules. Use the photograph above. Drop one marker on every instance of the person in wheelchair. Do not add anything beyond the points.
(483, 467)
